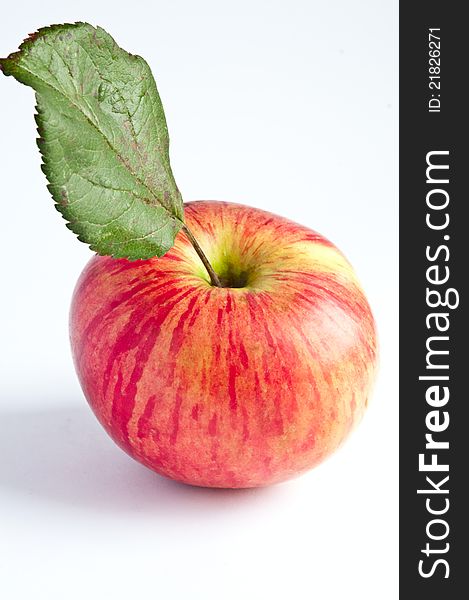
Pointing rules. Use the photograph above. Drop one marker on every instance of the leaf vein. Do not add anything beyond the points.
(118, 154)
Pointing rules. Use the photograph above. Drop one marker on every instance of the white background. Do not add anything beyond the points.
(288, 106)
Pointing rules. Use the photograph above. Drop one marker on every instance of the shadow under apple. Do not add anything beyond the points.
(62, 454)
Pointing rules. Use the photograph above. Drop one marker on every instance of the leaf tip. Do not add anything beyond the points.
(5, 65)
(28, 42)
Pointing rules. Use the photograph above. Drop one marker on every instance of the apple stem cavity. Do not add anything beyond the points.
(214, 280)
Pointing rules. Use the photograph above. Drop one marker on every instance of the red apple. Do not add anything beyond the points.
(238, 386)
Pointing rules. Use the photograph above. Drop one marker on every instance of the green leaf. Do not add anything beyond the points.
(103, 139)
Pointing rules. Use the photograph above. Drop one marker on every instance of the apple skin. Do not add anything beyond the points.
(227, 387)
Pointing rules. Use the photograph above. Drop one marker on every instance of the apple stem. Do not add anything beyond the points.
(213, 276)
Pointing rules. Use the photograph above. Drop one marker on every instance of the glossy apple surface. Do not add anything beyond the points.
(235, 386)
